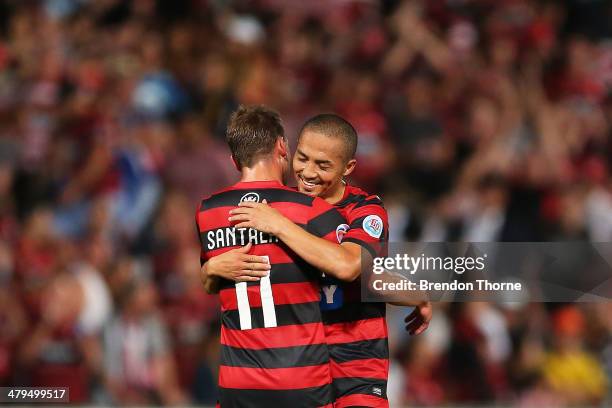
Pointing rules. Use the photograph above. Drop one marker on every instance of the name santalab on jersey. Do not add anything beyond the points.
(232, 236)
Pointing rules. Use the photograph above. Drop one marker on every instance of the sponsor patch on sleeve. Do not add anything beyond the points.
(373, 225)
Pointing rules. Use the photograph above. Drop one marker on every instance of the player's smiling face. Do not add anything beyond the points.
(319, 165)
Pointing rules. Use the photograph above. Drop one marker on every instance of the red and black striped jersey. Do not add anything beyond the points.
(357, 332)
(273, 348)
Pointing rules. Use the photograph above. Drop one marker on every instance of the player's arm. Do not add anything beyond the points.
(340, 261)
(235, 265)
(211, 283)
(418, 321)
(369, 227)
(411, 298)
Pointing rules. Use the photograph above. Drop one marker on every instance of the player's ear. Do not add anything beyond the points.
(282, 148)
(236, 165)
(349, 167)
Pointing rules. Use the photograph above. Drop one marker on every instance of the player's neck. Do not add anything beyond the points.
(336, 195)
(262, 171)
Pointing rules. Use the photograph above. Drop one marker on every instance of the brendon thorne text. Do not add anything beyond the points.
(424, 285)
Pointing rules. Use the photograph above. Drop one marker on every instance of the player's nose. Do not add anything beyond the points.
(308, 172)
(309, 176)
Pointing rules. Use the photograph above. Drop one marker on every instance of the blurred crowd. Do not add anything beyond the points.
(479, 120)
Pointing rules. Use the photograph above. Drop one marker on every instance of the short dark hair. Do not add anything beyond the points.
(332, 125)
(252, 132)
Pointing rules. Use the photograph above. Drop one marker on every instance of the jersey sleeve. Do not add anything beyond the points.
(203, 257)
(324, 220)
(369, 227)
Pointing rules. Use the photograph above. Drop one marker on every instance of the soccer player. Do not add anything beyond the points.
(273, 346)
(356, 332)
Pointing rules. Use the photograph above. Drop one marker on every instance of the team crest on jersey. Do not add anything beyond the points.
(373, 225)
(340, 231)
(250, 197)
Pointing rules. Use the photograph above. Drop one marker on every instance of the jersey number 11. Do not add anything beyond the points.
(267, 303)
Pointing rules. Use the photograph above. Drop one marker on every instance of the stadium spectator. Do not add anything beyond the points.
(139, 367)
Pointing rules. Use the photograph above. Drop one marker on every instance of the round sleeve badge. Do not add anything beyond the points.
(373, 225)
(340, 231)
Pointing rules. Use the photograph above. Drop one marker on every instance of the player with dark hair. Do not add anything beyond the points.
(273, 346)
(356, 332)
